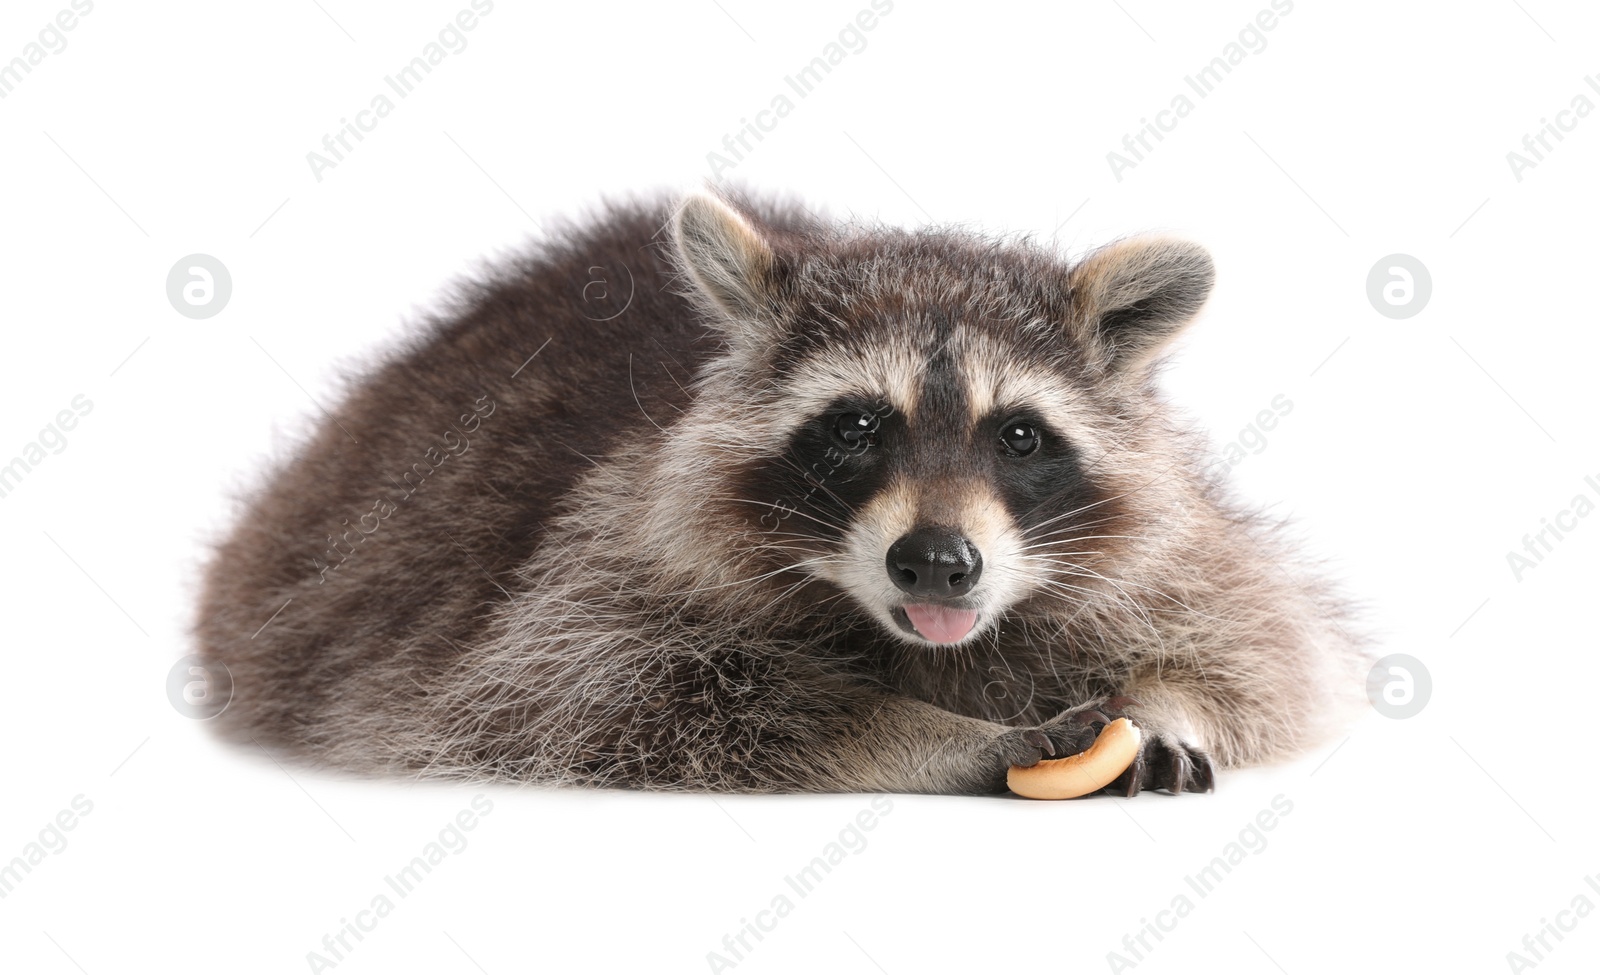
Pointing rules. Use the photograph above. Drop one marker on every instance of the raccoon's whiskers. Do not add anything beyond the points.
(1067, 514)
(1033, 535)
(755, 578)
(1028, 548)
(806, 475)
(1064, 567)
(1073, 541)
(775, 506)
(1119, 593)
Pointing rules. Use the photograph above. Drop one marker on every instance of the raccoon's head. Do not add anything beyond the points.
(944, 428)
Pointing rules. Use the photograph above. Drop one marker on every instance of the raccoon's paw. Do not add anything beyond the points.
(1027, 747)
(1165, 760)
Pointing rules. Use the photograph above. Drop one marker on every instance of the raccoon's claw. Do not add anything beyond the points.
(1039, 742)
(1027, 747)
(1166, 762)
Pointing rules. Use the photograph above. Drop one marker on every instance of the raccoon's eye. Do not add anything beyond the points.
(1019, 439)
(857, 429)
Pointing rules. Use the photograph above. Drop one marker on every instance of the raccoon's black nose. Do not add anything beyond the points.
(934, 562)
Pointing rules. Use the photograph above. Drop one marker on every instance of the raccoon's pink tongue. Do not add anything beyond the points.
(942, 624)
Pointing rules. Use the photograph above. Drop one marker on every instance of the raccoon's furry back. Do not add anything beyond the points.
(457, 452)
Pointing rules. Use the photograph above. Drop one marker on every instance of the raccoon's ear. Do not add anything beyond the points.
(1135, 295)
(728, 259)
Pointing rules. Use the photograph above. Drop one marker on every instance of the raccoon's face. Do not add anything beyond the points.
(935, 415)
(931, 514)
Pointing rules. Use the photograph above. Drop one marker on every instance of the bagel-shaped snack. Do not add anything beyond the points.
(1090, 770)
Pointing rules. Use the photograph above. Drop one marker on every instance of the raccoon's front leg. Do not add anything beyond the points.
(1169, 757)
(818, 738)
(907, 745)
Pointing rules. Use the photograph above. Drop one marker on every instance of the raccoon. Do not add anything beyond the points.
(823, 507)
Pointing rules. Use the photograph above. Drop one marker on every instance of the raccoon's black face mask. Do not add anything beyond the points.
(944, 425)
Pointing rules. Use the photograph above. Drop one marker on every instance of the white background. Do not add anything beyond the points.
(1418, 453)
